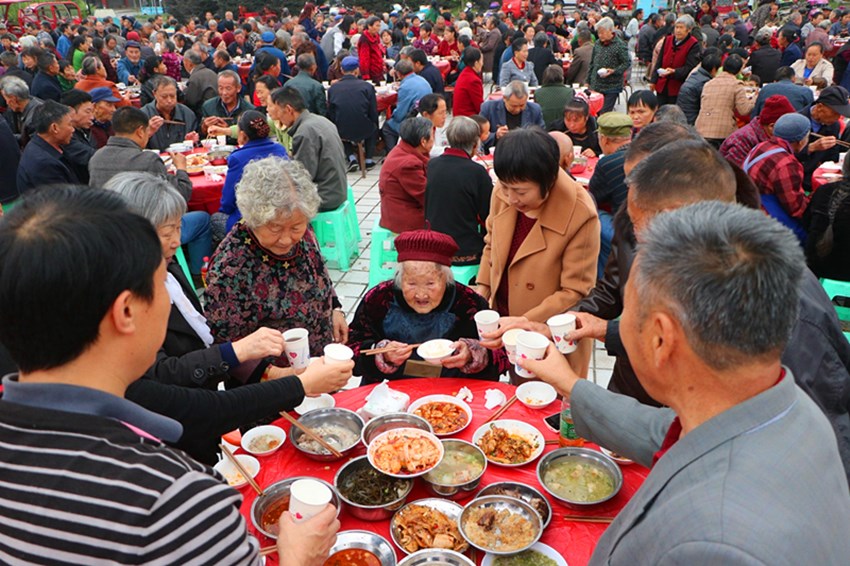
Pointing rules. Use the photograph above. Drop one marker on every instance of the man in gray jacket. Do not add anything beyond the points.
(745, 467)
(315, 143)
(690, 95)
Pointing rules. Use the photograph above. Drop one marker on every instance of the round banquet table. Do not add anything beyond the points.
(386, 102)
(595, 100)
(444, 66)
(832, 172)
(206, 194)
(581, 175)
(575, 541)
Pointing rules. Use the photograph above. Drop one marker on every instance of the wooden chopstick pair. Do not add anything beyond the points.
(241, 469)
(501, 411)
(311, 433)
(385, 349)
(174, 122)
(588, 518)
(837, 142)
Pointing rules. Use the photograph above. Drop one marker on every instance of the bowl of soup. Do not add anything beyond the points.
(267, 508)
(579, 476)
(459, 472)
(361, 548)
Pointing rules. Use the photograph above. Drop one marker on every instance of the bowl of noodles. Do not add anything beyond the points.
(405, 452)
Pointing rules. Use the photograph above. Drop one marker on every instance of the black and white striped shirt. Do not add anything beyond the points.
(82, 488)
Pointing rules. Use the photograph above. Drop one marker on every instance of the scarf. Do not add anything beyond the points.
(403, 324)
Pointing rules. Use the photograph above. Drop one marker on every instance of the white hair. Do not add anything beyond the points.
(273, 186)
(445, 270)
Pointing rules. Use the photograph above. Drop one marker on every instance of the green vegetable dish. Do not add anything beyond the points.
(577, 479)
(367, 486)
(525, 558)
(456, 468)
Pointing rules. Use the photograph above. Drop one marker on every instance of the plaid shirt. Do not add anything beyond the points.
(738, 145)
(779, 174)
(722, 96)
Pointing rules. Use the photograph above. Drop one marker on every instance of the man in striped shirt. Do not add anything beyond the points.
(84, 476)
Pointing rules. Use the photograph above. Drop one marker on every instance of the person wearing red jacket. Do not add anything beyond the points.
(469, 88)
(449, 46)
(371, 52)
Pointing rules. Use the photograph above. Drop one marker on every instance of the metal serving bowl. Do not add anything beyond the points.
(461, 490)
(524, 492)
(448, 508)
(499, 502)
(436, 557)
(370, 512)
(376, 544)
(277, 491)
(322, 417)
(588, 455)
(392, 421)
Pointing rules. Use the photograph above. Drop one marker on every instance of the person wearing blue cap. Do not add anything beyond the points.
(267, 44)
(353, 107)
(130, 66)
(778, 174)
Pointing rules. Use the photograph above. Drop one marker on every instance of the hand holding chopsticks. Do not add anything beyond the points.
(385, 349)
(247, 475)
(837, 142)
(312, 434)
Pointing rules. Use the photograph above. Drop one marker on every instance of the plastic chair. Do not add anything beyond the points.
(351, 216)
(184, 265)
(465, 273)
(382, 251)
(335, 234)
(834, 289)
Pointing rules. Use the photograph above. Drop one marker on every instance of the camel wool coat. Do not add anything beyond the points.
(555, 267)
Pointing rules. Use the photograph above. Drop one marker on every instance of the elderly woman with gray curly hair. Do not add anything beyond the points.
(268, 270)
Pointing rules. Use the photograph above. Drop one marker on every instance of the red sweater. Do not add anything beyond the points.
(468, 94)
(371, 54)
(402, 187)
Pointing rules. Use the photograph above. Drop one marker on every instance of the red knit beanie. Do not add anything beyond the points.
(774, 108)
(426, 245)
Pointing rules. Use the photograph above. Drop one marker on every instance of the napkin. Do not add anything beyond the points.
(384, 400)
(465, 394)
(494, 398)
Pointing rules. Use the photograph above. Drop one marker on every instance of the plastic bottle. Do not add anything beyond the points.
(204, 268)
(568, 436)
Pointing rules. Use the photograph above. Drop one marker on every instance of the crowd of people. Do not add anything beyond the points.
(706, 136)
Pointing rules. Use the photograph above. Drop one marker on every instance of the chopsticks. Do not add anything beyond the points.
(309, 432)
(174, 122)
(385, 349)
(504, 408)
(552, 442)
(588, 518)
(242, 470)
(267, 550)
(837, 142)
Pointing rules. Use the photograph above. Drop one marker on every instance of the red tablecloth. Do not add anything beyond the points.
(575, 541)
(386, 102)
(582, 176)
(444, 66)
(244, 70)
(818, 178)
(206, 194)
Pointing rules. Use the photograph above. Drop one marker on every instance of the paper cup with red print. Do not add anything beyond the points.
(509, 341)
(486, 321)
(561, 325)
(529, 345)
(297, 346)
(308, 498)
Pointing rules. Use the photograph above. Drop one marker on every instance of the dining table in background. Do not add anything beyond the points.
(206, 192)
(828, 172)
(574, 540)
(595, 100)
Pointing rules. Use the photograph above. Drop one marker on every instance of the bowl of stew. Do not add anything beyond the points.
(267, 508)
(361, 548)
(579, 476)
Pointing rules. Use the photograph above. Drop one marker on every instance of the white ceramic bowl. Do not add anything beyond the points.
(443, 399)
(536, 394)
(433, 351)
(232, 475)
(266, 430)
(519, 428)
(388, 436)
(323, 401)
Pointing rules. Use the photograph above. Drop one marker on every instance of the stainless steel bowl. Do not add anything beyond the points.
(370, 512)
(274, 493)
(461, 490)
(322, 417)
(436, 557)
(448, 508)
(591, 456)
(392, 421)
(376, 544)
(524, 492)
(499, 502)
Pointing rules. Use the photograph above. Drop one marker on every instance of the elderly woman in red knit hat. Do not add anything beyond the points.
(422, 302)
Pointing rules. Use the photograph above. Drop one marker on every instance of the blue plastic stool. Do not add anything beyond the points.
(465, 273)
(381, 251)
(337, 239)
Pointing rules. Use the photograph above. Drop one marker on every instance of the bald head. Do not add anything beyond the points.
(565, 148)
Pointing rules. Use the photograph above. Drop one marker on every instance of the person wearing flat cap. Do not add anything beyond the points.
(422, 302)
(825, 115)
(775, 170)
(608, 184)
(353, 107)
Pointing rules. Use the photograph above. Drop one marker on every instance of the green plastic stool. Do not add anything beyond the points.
(337, 240)
(351, 217)
(184, 265)
(465, 273)
(381, 252)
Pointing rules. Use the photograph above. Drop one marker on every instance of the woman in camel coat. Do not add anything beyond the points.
(542, 240)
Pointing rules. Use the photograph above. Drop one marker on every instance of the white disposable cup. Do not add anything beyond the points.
(509, 341)
(307, 499)
(560, 326)
(577, 149)
(529, 345)
(486, 321)
(337, 354)
(222, 140)
(297, 346)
